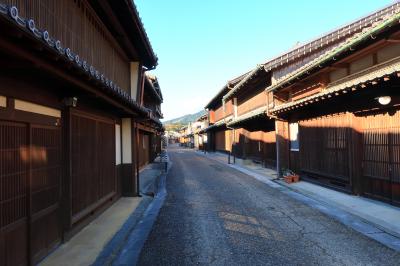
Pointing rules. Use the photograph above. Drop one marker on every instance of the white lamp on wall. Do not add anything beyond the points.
(384, 100)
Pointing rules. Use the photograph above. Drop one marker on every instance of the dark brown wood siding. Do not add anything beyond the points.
(259, 146)
(77, 27)
(144, 149)
(45, 189)
(30, 178)
(249, 103)
(223, 140)
(381, 156)
(93, 163)
(14, 174)
(325, 147)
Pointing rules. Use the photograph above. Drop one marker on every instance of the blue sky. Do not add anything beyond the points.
(201, 44)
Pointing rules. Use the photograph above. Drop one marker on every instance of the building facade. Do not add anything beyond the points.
(341, 117)
(151, 128)
(328, 109)
(200, 138)
(71, 86)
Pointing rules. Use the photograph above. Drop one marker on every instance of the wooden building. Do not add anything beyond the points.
(253, 130)
(183, 136)
(219, 136)
(330, 106)
(200, 137)
(341, 113)
(151, 128)
(71, 84)
(238, 121)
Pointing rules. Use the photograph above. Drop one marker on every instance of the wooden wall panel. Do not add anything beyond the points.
(144, 149)
(325, 146)
(45, 189)
(219, 113)
(254, 102)
(257, 145)
(269, 149)
(220, 140)
(282, 138)
(106, 158)
(93, 163)
(78, 28)
(229, 108)
(381, 156)
(14, 174)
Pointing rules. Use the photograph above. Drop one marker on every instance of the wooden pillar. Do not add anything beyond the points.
(136, 157)
(355, 155)
(282, 145)
(128, 168)
(66, 194)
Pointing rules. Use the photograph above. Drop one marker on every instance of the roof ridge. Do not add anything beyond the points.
(383, 13)
(144, 29)
(335, 50)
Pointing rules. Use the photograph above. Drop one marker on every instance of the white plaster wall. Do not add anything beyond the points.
(126, 140)
(3, 101)
(118, 156)
(36, 108)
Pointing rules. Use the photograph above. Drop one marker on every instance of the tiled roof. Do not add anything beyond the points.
(243, 81)
(347, 85)
(156, 121)
(152, 81)
(141, 26)
(220, 123)
(10, 13)
(355, 40)
(248, 116)
(317, 44)
(343, 32)
(228, 86)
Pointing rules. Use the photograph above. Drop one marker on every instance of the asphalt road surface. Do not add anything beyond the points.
(215, 215)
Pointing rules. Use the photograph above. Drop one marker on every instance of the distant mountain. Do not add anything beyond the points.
(184, 120)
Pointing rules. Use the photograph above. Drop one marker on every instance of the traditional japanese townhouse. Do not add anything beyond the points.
(219, 136)
(151, 128)
(341, 115)
(70, 80)
(253, 131)
(183, 138)
(253, 106)
(200, 138)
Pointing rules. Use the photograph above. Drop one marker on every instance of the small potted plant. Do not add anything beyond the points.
(290, 176)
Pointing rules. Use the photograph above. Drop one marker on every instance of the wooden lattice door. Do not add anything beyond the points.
(94, 179)
(45, 194)
(14, 173)
(325, 148)
(381, 157)
(30, 175)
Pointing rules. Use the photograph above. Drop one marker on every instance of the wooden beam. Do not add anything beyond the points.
(393, 41)
(54, 70)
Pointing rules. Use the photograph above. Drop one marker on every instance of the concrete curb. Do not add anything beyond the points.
(131, 248)
(366, 218)
(130, 253)
(366, 227)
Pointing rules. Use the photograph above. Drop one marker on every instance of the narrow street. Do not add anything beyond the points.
(215, 215)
